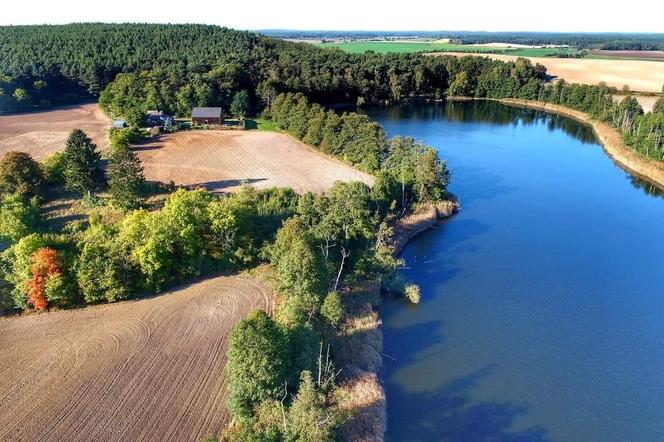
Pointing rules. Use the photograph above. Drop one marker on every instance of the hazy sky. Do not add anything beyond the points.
(487, 15)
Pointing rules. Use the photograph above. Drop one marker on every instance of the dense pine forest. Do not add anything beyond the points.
(175, 67)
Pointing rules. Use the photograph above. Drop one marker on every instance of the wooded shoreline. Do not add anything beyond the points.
(369, 419)
(608, 136)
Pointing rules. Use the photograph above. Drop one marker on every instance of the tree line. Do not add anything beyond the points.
(643, 132)
(604, 40)
(406, 171)
(176, 67)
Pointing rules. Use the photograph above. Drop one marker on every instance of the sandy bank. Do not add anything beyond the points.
(422, 219)
(358, 347)
(610, 138)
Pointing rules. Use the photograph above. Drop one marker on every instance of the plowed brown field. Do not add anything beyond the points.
(224, 160)
(140, 370)
(44, 133)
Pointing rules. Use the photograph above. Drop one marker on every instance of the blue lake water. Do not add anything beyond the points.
(542, 312)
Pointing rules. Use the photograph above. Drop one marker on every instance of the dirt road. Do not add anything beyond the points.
(150, 369)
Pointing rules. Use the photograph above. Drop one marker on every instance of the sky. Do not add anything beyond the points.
(424, 15)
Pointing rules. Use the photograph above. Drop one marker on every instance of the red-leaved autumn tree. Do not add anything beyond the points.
(44, 265)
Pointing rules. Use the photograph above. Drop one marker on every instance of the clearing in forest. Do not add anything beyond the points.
(43, 133)
(224, 160)
(151, 369)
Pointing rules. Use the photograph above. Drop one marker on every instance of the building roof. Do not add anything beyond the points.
(206, 112)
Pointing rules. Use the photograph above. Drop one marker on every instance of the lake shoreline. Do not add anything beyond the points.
(609, 137)
(359, 348)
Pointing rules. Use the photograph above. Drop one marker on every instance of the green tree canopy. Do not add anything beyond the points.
(240, 104)
(81, 164)
(18, 216)
(126, 181)
(258, 363)
(297, 260)
(19, 173)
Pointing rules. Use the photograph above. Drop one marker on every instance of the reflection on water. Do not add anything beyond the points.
(496, 114)
(542, 315)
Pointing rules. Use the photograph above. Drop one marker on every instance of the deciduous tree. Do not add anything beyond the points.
(19, 173)
(258, 363)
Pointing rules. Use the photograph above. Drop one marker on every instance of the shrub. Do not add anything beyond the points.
(53, 167)
(412, 292)
(20, 174)
(18, 217)
(129, 135)
(332, 309)
(92, 202)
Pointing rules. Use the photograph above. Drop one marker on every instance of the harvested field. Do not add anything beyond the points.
(224, 160)
(44, 133)
(150, 369)
(643, 55)
(639, 75)
(647, 102)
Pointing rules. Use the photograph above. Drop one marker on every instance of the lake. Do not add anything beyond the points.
(542, 312)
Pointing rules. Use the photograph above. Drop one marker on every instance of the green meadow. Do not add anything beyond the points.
(383, 47)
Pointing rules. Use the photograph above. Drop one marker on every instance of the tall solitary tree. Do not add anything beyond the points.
(125, 177)
(81, 160)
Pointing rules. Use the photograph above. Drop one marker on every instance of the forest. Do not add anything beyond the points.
(176, 67)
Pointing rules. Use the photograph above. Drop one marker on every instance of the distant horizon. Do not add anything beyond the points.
(567, 16)
(406, 31)
(341, 31)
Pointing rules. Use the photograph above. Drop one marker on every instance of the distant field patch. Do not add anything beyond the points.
(383, 47)
(43, 133)
(638, 75)
(628, 55)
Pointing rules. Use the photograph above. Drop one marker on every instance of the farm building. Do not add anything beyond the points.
(206, 115)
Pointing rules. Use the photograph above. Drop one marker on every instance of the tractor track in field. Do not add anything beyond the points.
(151, 369)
